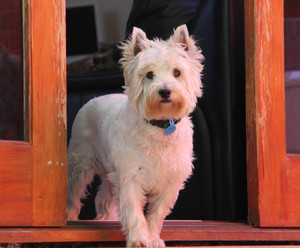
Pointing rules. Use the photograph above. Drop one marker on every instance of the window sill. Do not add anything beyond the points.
(96, 231)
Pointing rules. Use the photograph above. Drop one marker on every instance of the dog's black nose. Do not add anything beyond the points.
(165, 93)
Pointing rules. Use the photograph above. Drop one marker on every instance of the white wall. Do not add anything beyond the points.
(114, 15)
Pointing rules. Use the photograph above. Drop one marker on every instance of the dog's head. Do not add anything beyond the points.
(162, 78)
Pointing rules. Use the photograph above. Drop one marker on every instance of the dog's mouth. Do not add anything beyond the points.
(166, 101)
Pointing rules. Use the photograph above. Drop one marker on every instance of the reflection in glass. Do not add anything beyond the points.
(292, 103)
(292, 77)
(11, 72)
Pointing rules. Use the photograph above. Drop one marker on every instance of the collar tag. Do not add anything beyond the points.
(170, 129)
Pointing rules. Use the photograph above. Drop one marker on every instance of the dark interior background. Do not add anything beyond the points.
(81, 35)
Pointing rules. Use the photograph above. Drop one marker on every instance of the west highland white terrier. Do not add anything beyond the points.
(140, 142)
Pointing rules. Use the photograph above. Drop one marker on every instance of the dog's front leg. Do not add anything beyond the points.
(160, 205)
(132, 201)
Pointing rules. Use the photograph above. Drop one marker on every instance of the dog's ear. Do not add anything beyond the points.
(131, 48)
(139, 40)
(181, 36)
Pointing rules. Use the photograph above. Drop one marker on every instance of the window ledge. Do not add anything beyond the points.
(102, 231)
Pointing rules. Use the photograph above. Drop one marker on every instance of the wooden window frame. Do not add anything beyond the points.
(33, 172)
(176, 231)
(273, 175)
(43, 163)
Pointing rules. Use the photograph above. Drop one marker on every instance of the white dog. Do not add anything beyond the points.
(140, 142)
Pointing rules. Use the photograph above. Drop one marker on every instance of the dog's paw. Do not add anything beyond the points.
(138, 243)
(72, 214)
(157, 243)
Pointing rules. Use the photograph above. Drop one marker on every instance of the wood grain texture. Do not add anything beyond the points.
(265, 111)
(292, 198)
(49, 112)
(15, 183)
(273, 177)
(251, 112)
(271, 110)
(95, 231)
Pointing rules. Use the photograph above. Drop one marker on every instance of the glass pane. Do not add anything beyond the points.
(292, 74)
(11, 71)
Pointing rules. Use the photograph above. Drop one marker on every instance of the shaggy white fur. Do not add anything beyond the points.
(137, 161)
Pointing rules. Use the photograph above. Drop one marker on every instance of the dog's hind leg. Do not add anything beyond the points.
(105, 202)
(80, 174)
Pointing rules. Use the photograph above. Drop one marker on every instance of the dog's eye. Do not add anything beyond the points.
(176, 73)
(150, 75)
